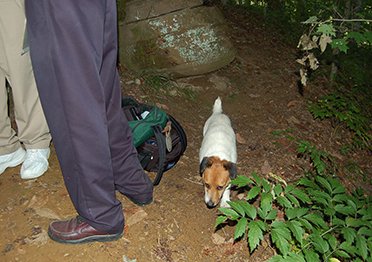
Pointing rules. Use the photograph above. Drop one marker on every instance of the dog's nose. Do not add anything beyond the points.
(210, 204)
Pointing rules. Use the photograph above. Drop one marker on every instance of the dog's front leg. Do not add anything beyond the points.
(225, 198)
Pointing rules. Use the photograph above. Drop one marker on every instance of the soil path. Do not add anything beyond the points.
(259, 94)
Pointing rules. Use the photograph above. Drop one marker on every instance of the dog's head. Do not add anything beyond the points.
(216, 175)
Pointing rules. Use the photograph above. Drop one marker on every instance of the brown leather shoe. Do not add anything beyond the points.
(77, 231)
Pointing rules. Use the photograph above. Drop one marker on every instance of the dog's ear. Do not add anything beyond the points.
(231, 167)
(204, 164)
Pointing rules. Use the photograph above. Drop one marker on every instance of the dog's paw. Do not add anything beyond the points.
(224, 204)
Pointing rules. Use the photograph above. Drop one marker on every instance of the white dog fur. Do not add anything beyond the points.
(217, 157)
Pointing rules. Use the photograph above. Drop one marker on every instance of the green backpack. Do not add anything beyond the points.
(142, 129)
(158, 137)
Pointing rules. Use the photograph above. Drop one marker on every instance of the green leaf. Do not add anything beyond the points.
(307, 183)
(220, 220)
(277, 258)
(294, 257)
(326, 29)
(342, 254)
(361, 247)
(320, 197)
(332, 241)
(266, 202)
(358, 37)
(231, 214)
(295, 212)
(340, 198)
(293, 200)
(319, 243)
(329, 211)
(338, 222)
(296, 228)
(352, 205)
(365, 231)
(272, 214)
(311, 20)
(368, 36)
(352, 222)
(346, 246)
(242, 181)
(367, 213)
(345, 210)
(340, 44)
(337, 187)
(280, 235)
(257, 179)
(266, 185)
(240, 228)
(316, 220)
(284, 202)
(369, 243)
(289, 188)
(349, 234)
(253, 192)
(311, 256)
(301, 195)
(325, 184)
(278, 190)
(306, 224)
(254, 235)
(249, 209)
(261, 214)
(262, 225)
(237, 206)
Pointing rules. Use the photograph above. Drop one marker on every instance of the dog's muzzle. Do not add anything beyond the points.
(210, 204)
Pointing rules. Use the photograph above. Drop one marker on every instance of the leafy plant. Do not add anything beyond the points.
(345, 109)
(331, 32)
(322, 162)
(315, 219)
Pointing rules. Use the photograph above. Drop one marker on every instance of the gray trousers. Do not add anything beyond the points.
(74, 52)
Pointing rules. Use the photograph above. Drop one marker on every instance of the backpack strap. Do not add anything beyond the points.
(160, 139)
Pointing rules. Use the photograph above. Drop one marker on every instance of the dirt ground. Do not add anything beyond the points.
(259, 93)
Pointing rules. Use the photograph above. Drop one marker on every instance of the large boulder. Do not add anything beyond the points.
(178, 38)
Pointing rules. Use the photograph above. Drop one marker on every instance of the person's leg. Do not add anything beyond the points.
(9, 142)
(66, 40)
(129, 176)
(11, 152)
(33, 130)
(69, 50)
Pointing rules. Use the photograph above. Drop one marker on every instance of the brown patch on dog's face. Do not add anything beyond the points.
(216, 178)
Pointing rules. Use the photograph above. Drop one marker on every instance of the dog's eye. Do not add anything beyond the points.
(207, 186)
(219, 188)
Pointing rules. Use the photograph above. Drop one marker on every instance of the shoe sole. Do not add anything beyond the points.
(34, 176)
(96, 238)
(141, 204)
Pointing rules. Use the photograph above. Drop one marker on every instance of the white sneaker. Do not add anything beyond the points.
(12, 159)
(35, 164)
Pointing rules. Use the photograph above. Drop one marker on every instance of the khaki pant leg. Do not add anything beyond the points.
(8, 139)
(33, 130)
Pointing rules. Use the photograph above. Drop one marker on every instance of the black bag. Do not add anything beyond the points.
(166, 141)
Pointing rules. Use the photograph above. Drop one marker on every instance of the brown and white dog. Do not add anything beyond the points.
(218, 157)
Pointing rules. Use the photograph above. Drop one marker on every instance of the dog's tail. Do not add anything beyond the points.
(217, 107)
